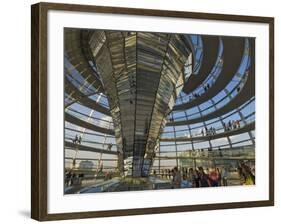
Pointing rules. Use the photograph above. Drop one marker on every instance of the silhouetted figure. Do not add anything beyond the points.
(109, 147)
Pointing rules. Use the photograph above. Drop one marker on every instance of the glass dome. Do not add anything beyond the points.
(211, 124)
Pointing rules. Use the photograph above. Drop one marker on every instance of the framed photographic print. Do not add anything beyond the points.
(139, 111)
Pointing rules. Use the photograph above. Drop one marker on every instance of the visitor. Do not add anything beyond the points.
(176, 181)
(224, 126)
(169, 174)
(206, 131)
(205, 88)
(245, 174)
(214, 178)
(75, 140)
(196, 179)
(73, 179)
(172, 171)
(203, 178)
(220, 178)
(192, 177)
(80, 140)
(80, 178)
(224, 176)
(249, 177)
(109, 147)
(185, 183)
(202, 131)
(213, 131)
(68, 178)
(238, 89)
(229, 125)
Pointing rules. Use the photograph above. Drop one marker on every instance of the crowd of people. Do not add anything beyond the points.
(246, 174)
(208, 131)
(228, 126)
(231, 125)
(196, 178)
(72, 178)
(77, 140)
(206, 87)
(196, 95)
(200, 177)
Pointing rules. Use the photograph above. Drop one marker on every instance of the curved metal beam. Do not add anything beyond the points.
(84, 124)
(233, 49)
(246, 128)
(243, 96)
(210, 52)
(89, 149)
(75, 54)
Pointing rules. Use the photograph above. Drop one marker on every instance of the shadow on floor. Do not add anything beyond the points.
(24, 213)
